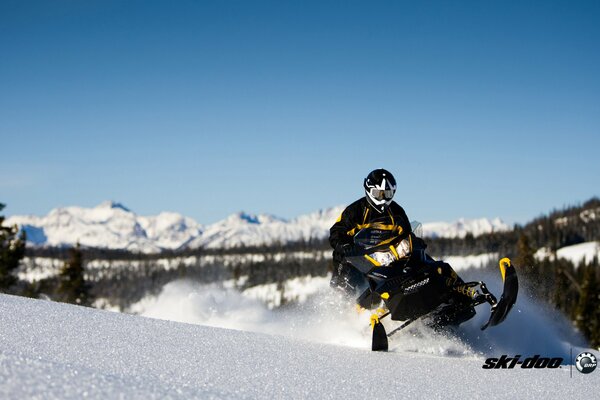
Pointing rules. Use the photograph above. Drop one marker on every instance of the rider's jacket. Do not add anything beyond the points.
(360, 215)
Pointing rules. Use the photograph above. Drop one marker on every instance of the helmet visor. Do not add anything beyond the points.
(381, 194)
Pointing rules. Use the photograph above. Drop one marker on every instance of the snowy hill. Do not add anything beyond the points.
(113, 226)
(577, 253)
(58, 351)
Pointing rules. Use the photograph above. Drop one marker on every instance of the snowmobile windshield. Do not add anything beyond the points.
(417, 228)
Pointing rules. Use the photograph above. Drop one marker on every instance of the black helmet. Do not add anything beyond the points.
(380, 187)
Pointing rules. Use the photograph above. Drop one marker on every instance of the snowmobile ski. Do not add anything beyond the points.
(380, 337)
(379, 342)
(501, 309)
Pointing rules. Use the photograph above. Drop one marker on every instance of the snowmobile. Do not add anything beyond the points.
(406, 284)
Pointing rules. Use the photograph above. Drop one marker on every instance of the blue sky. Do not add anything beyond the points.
(480, 109)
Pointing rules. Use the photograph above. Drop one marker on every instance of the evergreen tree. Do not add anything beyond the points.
(547, 284)
(525, 253)
(12, 250)
(72, 287)
(566, 287)
(587, 316)
(525, 261)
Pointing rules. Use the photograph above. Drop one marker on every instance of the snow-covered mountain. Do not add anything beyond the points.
(254, 230)
(463, 226)
(113, 226)
(109, 225)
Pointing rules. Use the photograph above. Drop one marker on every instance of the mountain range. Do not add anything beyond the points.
(111, 225)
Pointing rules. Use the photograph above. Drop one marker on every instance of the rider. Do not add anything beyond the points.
(378, 210)
(376, 205)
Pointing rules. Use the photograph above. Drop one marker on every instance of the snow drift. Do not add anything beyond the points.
(51, 350)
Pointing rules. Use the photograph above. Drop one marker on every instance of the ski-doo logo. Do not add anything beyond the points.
(586, 362)
(536, 361)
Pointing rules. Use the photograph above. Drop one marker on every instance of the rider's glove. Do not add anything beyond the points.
(347, 249)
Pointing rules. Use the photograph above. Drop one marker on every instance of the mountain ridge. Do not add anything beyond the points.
(112, 225)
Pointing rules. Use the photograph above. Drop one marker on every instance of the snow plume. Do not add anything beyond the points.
(531, 328)
(327, 317)
(210, 305)
(324, 317)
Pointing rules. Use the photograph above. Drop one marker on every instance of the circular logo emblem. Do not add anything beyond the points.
(586, 362)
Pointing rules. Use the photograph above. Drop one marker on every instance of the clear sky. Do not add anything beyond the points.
(479, 108)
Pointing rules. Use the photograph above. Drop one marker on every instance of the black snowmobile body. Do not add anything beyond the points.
(412, 285)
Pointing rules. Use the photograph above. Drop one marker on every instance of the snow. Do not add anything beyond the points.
(114, 226)
(297, 289)
(575, 253)
(460, 263)
(109, 225)
(51, 350)
(323, 316)
(243, 229)
(37, 268)
(580, 252)
(463, 226)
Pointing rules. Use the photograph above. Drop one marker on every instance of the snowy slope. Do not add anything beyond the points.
(576, 253)
(51, 350)
(111, 225)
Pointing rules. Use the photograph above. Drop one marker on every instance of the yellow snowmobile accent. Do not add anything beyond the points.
(376, 225)
(466, 290)
(394, 252)
(385, 295)
(504, 263)
(359, 309)
(374, 320)
(372, 260)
